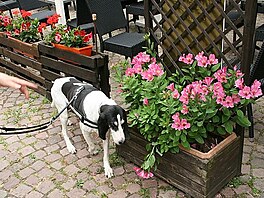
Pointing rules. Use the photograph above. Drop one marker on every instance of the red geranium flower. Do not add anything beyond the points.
(25, 13)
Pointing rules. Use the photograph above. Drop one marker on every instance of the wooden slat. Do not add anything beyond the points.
(90, 62)
(19, 45)
(69, 69)
(21, 59)
(22, 70)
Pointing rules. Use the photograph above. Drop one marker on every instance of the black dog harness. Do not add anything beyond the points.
(69, 89)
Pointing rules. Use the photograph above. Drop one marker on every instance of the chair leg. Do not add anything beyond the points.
(250, 117)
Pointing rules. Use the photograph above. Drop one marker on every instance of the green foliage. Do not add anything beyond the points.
(156, 107)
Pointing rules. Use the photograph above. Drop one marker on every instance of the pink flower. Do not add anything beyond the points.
(228, 102)
(239, 83)
(144, 174)
(148, 75)
(255, 89)
(175, 94)
(202, 62)
(220, 75)
(185, 124)
(184, 98)
(199, 56)
(189, 59)
(236, 98)
(137, 69)
(156, 69)
(245, 92)
(57, 37)
(208, 80)
(171, 87)
(212, 60)
(185, 109)
(145, 101)
(130, 72)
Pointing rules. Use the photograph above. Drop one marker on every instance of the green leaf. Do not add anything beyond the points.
(228, 126)
(221, 130)
(243, 121)
(199, 139)
(183, 137)
(216, 67)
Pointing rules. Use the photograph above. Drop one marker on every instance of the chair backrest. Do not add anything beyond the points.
(109, 15)
(83, 13)
(257, 71)
(31, 4)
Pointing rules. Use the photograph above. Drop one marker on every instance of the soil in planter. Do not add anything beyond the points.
(209, 143)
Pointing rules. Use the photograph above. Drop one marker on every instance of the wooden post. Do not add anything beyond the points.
(147, 9)
(248, 49)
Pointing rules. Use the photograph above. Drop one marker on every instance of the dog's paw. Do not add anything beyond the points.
(71, 148)
(109, 172)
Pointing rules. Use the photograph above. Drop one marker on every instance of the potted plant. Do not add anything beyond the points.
(74, 40)
(181, 114)
(21, 32)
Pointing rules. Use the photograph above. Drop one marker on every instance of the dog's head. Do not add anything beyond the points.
(113, 117)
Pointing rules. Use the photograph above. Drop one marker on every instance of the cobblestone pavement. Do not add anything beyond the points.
(39, 165)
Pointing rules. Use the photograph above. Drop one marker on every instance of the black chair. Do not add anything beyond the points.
(124, 3)
(83, 17)
(8, 5)
(44, 9)
(256, 73)
(110, 17)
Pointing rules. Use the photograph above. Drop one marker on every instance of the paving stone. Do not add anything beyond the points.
(52, 157)
(27, 150)
(69, 184)
(5, 174)
(40, 154)
(149, 183)
(117, 181)
(25, 172)
(45, 172)
(118, 193)
(38, 165)
(243, 189)
(228, 192)
(89, 185)
(34, 194)
(3, 194)
(52, 148)
(104, 189)
(76, 193)
(11, 183)
(133, 188)
(259, 184)
(71, 169)
(258, 172)
(32, 180)
(46, 186)
(84, 163)
(57, 165)
(56, 193)
(119, 171)
(21, 190)
(3, 164)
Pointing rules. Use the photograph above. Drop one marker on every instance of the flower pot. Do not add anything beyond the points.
(198, 174)
(87, 50)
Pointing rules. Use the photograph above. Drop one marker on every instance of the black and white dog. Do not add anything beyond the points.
(95, 110)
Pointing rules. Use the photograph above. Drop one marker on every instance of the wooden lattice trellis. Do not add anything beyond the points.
(191, 26)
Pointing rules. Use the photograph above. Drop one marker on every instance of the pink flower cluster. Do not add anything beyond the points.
(141, 173)
(178, 123)
(202, 60)
(138, 63)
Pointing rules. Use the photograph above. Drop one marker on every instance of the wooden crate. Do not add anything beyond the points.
(58, 63)
(195, 176)
(22, 60)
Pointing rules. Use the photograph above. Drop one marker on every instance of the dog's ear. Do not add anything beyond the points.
(102, 124)
(126, 132)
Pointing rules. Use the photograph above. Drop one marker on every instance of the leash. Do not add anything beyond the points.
(22, 130)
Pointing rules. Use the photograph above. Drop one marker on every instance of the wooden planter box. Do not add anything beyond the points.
(190, 173)
(22, 60)
(58, 63)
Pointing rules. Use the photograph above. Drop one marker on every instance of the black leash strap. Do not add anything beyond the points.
(9, 131)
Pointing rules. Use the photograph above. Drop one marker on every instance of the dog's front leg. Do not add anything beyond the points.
(64, 120)
(108, 170)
